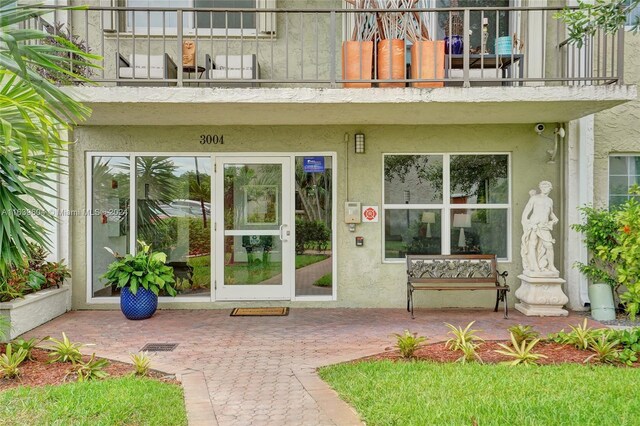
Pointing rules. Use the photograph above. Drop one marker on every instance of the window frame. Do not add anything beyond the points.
(446, 206)
(617, 154)
(189, 28)
(628, 23)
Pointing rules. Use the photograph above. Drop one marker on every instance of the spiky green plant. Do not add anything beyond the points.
(92, 369)
(520, 354)
(469, 353)
(11, 360)
(581, 336)
(28, 345)
(606, 351)
(65, 351)
(141, 363)
(523, 333)
(407, 343)
(461, 336)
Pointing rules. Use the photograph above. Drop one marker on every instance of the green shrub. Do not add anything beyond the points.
(407, 343)
(311, 235)
(606, 351)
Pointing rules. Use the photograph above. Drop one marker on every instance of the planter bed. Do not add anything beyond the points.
(35, 309)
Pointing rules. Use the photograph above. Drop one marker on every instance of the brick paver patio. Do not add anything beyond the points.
(260, 370)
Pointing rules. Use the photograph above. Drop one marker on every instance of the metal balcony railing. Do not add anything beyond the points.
(260, 47)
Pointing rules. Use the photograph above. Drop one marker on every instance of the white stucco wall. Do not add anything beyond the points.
(363, 279)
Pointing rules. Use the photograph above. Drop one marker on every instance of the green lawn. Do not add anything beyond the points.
(121, 401)
(423, 393)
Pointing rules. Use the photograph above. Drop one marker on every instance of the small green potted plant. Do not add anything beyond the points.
(599, 228)
(141, 278)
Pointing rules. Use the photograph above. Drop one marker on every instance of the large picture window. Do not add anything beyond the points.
(446, 204)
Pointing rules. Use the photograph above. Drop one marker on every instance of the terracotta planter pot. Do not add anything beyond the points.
(427, 62)
(357, 57)
(391, 62)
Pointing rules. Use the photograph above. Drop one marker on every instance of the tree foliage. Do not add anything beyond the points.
(591, 16)
(34, 115)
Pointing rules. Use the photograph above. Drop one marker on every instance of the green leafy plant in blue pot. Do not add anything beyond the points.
(141, 278)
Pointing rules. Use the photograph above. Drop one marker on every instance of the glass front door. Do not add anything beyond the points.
(254, 228)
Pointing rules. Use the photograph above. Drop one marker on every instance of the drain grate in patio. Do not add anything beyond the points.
(159, 347)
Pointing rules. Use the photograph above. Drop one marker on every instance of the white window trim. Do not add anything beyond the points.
(90, 155)
(616, 154)
(445, 206)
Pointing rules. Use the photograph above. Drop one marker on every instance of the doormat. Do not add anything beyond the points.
(259, 312)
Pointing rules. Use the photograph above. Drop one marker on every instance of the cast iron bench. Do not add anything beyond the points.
(455, 272)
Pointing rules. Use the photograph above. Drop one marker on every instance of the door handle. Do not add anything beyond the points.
(282, 234)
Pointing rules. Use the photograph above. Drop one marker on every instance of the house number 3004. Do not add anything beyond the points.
(211, 139)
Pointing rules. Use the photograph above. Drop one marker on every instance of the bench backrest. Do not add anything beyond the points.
(452, 268)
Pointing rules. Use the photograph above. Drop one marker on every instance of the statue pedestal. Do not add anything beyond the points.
(541, 296)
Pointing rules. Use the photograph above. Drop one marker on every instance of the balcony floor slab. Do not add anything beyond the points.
(309, 106)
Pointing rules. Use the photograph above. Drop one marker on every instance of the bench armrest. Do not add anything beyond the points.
(504, 276)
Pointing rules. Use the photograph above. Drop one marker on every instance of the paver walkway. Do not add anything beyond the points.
(260, 371)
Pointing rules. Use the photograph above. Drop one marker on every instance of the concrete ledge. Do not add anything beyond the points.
(35, 309)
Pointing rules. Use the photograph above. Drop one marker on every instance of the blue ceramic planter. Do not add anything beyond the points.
(141, 305)
(454, 45)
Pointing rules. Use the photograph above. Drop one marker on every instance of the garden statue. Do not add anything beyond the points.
(188, 53)
(540, 292)
(538, 220)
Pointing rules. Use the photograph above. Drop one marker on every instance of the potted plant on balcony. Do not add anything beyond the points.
(392, 28)
(599, 228)
(357, 52)
(141, 278)
(427, 56)
(453, 30)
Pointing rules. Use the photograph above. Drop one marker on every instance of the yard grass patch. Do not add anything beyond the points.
(121, 401)
(420, 393)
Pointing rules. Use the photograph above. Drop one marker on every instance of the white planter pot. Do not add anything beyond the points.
(601, 298)
(35, 309)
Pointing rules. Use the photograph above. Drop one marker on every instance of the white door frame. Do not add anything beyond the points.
(280, 291)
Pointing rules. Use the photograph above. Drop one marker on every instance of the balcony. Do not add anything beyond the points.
(509, 65)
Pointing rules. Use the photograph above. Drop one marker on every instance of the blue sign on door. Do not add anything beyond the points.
(313, 164)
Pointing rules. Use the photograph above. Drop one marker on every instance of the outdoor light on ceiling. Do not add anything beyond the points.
(359, 137)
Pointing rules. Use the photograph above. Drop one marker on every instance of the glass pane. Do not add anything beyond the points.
(479, 179)
(252, 259)
(413, 179)
(618, 165)
(110, 216)
(174, 216)
(232, 19)
(412, 232)
(145, 20)
(616, 200)
(475, 23)
(314, 268)
(252, 196)
(618, 185)
(634, 165)
(479, 231)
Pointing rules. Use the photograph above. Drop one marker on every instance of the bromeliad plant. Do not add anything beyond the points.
(28, 345)
(141, 363)
(408, 342)
(144, 269)
(520, 353)
(523, 333)
(10, 360)
(461, 337)
(65, 351)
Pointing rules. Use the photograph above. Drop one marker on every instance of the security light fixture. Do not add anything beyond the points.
(359, 137)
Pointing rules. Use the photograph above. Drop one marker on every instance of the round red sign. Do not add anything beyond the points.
(370, 213)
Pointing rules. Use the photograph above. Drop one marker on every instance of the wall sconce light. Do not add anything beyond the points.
(359, 137)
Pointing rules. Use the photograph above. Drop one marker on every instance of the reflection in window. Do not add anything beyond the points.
(110, 224)
(173, 197)
(495, 19)
(313, 207)
(624, 172)
(480, 182)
